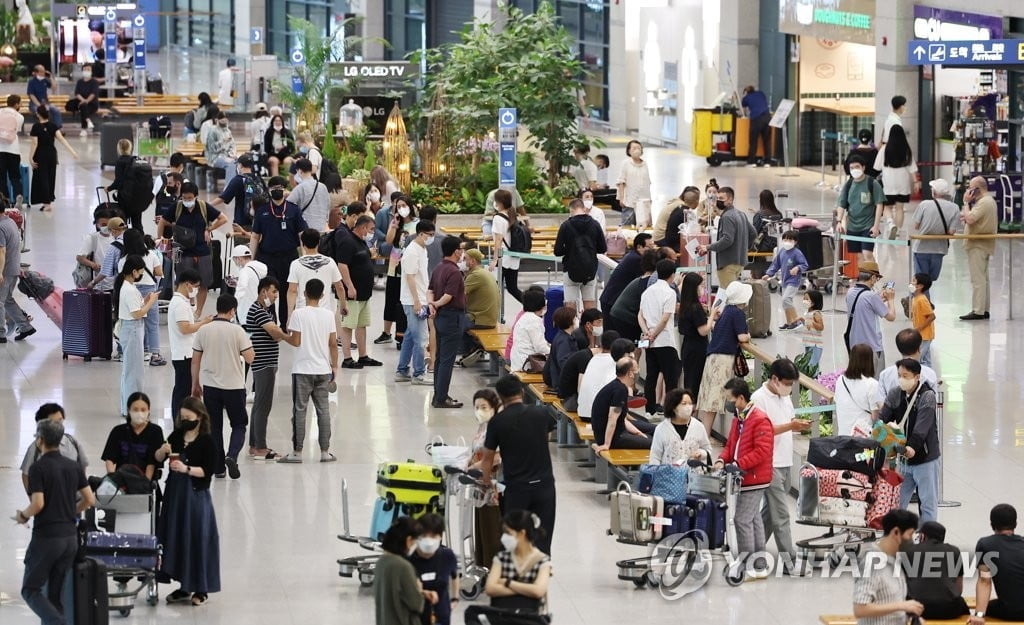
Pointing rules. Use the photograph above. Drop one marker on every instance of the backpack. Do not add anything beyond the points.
(137, 188)
(580, 257)
(329, 174)
(256, 192)
(327, 245)
(8, 125)
(519, 237)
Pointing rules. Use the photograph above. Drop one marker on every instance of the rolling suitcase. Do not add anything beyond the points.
(759, 315)
(555, 296)
(110, 134)
(86, 601)
(809, 241)
(679, 519)
(708, 516)
(385, 514)
(410, 483)
(217, 261)
(41, 289)
(88, 330)
(123, 551)
(636, 517)
(839, 511)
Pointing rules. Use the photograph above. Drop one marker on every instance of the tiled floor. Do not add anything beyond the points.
(278, 523)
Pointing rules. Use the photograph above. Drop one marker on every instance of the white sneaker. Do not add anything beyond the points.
(893, 231)
(89, 124)
(250, 398)
(84, 133)
(423, 380)
(756, 574)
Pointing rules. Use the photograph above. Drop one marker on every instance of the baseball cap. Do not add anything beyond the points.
(261, 106)
(241, 250)
(869, 266)
(116, 223)
(940, 187)
(476, 255)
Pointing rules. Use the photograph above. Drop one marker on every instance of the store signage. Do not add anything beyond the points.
(974, 53)
(837, 20)
(298, 87)
(375, 69)
(945, 25)
(508, 127)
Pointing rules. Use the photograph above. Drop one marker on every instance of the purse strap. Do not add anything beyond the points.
(910, 406)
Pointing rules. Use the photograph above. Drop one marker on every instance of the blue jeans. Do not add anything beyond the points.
(151, 341)
(449, 324)
(132, 363)
(47, 561)
(413, 344)
(926, 353)
(930, 264)
(925, 479)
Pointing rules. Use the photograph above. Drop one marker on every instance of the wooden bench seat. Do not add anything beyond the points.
(848, 619)
(626, 457)
(544, 394)
(529, 378)
(492, 339)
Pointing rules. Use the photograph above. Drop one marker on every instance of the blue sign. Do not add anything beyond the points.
(508, 129)
(140, 54)
(110, 47)
(256, 34)
(974, 53)
(298, 87)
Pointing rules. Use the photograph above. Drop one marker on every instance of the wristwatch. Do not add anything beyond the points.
(979, 614)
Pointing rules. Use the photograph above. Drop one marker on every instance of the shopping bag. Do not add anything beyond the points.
(443, 455)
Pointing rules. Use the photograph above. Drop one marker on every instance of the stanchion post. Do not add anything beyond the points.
(1009, 277)
(501, 289)
(822, 184)
(940, 400)
(835, 269)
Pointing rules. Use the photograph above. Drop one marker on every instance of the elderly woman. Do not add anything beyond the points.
(728, 331)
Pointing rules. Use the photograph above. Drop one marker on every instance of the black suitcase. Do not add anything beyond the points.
(86, 602)
(88, 325)
(847, 453)
(110, 134)
(809, 241)
(477, 614)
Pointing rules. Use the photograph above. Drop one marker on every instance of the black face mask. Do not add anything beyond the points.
(188, 426)
(277, 194)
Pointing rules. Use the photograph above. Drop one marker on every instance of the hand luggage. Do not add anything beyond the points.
(809, 241)
(664, 480)
(385, 514)
(86, 601)
(104, 201)
(708, 516)
(50, 299)
(410, 483)
(110, 134)
(886, 496)
(88, 330)
(633, 514)
(839, 511)
(477, 614)
(835, 483)
(217, 261)
(555, 296)
(759, 311)
(679, 519)
(123, 551)
(846, 452)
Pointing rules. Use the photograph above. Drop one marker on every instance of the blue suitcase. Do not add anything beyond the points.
(385, 514)
(679, 517)
(555, 296)
(123, 551)
(708, 516)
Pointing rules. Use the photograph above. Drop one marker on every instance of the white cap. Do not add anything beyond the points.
(940, 187)
(261, 106)
(241, 250)
(738, 293)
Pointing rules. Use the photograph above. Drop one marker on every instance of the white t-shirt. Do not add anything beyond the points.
(96, 244)
(780, 411)
(855, 399)
(14, 147)
(414, 262)
(527, 339)
(152, 260)
(584, 173)
(599, 372)
(500, 228)
(180, 309)
(597, 215)
(247, 287)
(225, 84)
(304, 269)
(313, 355)
(130, 301)
(657, 300)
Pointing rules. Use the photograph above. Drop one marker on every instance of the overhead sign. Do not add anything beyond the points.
(139, 32)
(508, 129)
(993, 52)
(384, 70)
(110, 47)
(837, 20)
(256, 34)
(945, 25)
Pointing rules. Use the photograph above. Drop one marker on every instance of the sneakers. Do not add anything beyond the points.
(472, 358)
(157, 361)
(757, 574)
(366, 361)
(24, 334)
(89, 124)
(232, 467)
(250, 397)
(402, 377)
(348, 363)
(326, 456)
(383, 339)
(423, 380)
(293, 458)
(893, 231)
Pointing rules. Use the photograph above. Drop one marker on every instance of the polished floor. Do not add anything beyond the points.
(278, 522)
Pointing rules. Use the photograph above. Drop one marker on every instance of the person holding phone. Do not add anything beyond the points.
(866, 307)
(980, 216)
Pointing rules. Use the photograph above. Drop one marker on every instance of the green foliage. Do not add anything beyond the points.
(348, 163)
(362, 176)
(370, 161)
(357, 139)
(330, 149)
(8, 25)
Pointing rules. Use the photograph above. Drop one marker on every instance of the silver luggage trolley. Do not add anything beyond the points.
(128, 514)
(363, 568)
(840, 541)
(464, 494)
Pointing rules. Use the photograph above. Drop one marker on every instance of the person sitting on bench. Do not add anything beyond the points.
(613, 427)
(1000, 564)
(935, 574)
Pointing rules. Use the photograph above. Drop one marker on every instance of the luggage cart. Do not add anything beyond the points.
(364, 567)
(463, 495)
(128, 547)
(839, 541)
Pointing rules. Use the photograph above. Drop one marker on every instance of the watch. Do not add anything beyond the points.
(979, 614)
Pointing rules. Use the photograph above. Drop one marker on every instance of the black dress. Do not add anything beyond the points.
(695, 347)
(44, 178)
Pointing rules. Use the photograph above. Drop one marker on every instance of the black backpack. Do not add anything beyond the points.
(328, 245)
(580, 260)
(137, 188)
(256, 192)
(329, 174)
(519, 237)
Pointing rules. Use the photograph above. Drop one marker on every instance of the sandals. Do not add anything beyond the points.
(199, 598)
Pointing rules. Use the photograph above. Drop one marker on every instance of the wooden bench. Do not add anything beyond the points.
(492, 341)
(619, 465)
(848, 619)
(528, 378)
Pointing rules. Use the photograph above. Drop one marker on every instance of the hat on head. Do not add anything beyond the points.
(261, 106)
(940, 187)
(476, 255)
(240, 251)
(116, 223)
(869, 266)
(738, 293)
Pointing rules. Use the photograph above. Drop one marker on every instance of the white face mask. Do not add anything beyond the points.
(484, 415)
(788, 245)
(429, 241)
(907, 384)
(857, 173)
(188, 203)
(139, 417)
(373, 196)
(403, 211)
(427, 545)
(193, 293)
(462, 266)
(509, 542)
(588, 204)
(278, 127)
(597, 330)
(684, 410)
(268, 302)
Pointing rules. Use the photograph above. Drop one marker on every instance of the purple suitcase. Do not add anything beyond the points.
(123, 551)
(708, 516)
(680, 519)
(88, 325)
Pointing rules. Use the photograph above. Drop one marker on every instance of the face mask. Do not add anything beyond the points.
(139, 417)
(86, 75)
(268, 302)
(509, 542)
(403, 211)
(278, 127)
(907, 384)
(462, 266)
(223, 123)
(304, 149)
(368, 238)
(730, 407)
(188, 203)
(193, 293)
(857, 173)
(136, 276)
(429, 241)
(597, 330)
(484, 415)
(277, 194)
(188, 426)
(684, 410)
(428, 545)
(788, 245)
(588, 204)
(105, 231)
(373, 196)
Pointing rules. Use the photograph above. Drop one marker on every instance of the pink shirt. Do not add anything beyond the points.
(508, 341)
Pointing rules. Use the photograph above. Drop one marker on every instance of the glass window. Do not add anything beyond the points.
(404, 22)
(279, 36)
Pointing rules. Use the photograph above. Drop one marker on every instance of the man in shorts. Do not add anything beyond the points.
(193, 252)
(580, 239)
(860, 209)
(355, 261)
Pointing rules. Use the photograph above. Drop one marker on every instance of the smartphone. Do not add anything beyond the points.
(890, 284)
(643, 343)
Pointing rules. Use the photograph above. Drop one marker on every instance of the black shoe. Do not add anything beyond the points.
(20, 336)
(3, 339)
(348, 363)
(382, 339)
(973, 317)
(220, 476)
(232, 466)
(985, 314)
(366, 361)
(448, 403)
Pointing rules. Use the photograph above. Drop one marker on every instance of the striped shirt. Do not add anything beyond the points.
(879, 583)
(265, 347)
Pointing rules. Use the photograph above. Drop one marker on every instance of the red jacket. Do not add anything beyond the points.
(751, 445)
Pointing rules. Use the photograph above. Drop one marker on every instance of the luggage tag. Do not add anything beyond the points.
(660, 520)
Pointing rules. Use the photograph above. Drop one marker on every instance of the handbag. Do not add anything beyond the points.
(443, 455)
(535, 363)
(184, 236)
(664, 480)
(82, 275)
(740, 368)
(616, 244)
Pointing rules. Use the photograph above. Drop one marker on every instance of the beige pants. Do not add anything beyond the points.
(729, 274)
(977, 263)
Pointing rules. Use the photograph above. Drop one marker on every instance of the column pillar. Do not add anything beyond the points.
(738, 44)
(894, 27)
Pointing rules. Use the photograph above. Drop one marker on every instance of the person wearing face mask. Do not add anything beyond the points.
(354, 257)
(657, 308)
(132, 309)
(591, 327)
(45, 135)
(261, 323)
(258, 127)
(775, 398)
(866, 307)
(94, 249)
(182, 326)
(402, 229)
(482, 304)
(85, 99)
(859, 209)
(634, 186)
(487, 517)
(585, 172)
(580, 239)
(170, 192)
(195, 215)
(187, 527)
(680, 437)
(735, 237)
(562, 345)
(628, 269)
(310, 195)
(398, 595)
(307, 149)
(250, 272)
(727, 325)
(313, 265)
(528, 332)
(446, 297)
(672, 217)
(220, 144)
(69, 447)
(880, 593)
(437, 569)
(520, 573)
(789, 266)
(979, 216)
(38, 89)
(614, 427)
(138, 442)
(413, 299)
(275, 237)
(279, 145)
(750, 447)
(596, 213)
(912, 406)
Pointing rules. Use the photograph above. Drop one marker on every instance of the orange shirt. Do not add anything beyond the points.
(920, 308)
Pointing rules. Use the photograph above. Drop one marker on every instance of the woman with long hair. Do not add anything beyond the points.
(400, 230)
(505, 218)
(45, 134)
(385, 183)
(899, 176)
(132, 307)
(398, 594)
(856, 390)
(486, 404)
(187, 527)
(278, 144)
(767, 212)
(708, 209)
(693, 329)
(152, 274)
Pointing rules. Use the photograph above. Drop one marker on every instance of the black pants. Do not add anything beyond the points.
(759, 128)
(277, 265)
(10, 174)
(511, 279)
(182, 384)
(449, 324)
(693, 367)
(537, 498)
(47, 561)
(628, 440)
(663, 360)
(87, 110)
(135, 220)
(998, 609)
(218, 401)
